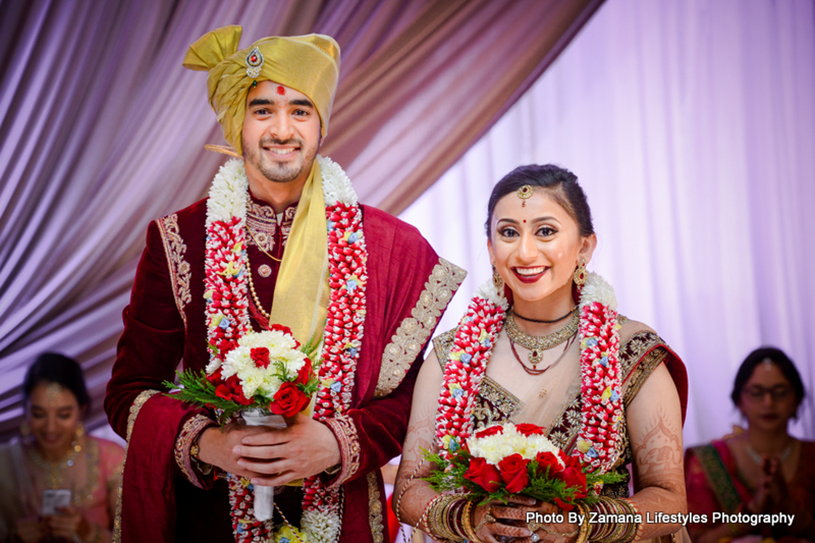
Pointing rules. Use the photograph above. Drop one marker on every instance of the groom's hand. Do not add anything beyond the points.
(275, 457)
(218, 446)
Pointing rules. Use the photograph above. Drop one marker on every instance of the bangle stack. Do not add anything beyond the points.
(622, 532)
(448, 518)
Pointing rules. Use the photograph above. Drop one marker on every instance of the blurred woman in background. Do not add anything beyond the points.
(56, 482)
(762, 469)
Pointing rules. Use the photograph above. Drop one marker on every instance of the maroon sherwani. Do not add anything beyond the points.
(165, 496)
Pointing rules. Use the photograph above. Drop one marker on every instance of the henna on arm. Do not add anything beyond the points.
(411, 493)
(655, 430)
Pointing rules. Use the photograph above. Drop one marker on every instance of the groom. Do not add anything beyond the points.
(316, 261)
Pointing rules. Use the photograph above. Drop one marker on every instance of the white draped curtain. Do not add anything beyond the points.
(691, 126)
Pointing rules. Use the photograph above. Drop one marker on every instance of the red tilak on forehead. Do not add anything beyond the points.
(280, 90)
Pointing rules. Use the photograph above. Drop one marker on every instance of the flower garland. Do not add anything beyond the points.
(227, 315)
(599, 340)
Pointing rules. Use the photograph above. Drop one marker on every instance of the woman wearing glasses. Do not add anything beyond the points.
(760, 470)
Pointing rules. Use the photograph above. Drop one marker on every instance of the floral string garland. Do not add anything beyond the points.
(227, 315)
(598, 334)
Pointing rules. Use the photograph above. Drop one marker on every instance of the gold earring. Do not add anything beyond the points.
(80, 430)
(496, 279)
(25, 429)
(580, 273)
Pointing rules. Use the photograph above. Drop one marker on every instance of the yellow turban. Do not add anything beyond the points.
(309, 64)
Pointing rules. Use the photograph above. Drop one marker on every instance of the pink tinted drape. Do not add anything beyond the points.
(102, 130)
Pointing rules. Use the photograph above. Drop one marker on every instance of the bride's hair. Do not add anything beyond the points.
(559, 183)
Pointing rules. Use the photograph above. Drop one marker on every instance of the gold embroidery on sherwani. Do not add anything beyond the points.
(413, 332)
(261, 220)
(174, 248)
(375, 509)
(135, 407)
(189, 432)
(347, 438)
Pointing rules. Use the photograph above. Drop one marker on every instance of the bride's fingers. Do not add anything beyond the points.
(522, 500)
(508, 513)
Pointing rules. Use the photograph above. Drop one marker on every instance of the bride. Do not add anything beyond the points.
(542, 343)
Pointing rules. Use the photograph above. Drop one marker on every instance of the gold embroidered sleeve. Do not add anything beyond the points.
(639, 356)
(414, 331)
(175, 248)
(347, 438)
(183, 445)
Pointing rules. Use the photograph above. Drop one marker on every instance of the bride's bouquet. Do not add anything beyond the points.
(508, 459)
(265, 377)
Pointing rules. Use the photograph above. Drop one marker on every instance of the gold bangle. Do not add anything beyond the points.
(583, 531)
(467, 523)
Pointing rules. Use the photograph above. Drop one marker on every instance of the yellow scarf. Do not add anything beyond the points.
(301, 295)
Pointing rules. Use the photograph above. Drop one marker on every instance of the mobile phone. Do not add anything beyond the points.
(54, 498)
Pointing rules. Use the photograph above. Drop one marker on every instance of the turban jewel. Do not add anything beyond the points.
(309, 64)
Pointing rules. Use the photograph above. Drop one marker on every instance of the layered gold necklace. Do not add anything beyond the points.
(538, 344)
(55, 471)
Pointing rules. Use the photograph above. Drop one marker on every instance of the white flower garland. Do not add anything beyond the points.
(228, 321)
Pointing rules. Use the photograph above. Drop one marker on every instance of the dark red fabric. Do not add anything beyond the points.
(156, 338)
(678, 372)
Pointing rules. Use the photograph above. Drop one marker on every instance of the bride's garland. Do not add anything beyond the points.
(599, 340)
(228, 320)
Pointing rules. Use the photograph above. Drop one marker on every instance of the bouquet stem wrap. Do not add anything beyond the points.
(264, 495)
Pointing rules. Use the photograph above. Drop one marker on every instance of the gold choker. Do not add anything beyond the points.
(537, 344)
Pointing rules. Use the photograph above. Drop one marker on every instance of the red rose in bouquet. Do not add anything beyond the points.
(288, 401)
(490, 431)
(513, 472)
(305, 374)
(215, 378)
(574, 476)
(232, 390)
(260, 356)
(529, 429)
(484, 474)
(548, 460)
(494, 464)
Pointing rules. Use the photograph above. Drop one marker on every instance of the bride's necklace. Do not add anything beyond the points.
(538, 344)
(55, 470)
(755, 457)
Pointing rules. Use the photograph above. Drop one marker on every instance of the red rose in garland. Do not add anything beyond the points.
(513, 472)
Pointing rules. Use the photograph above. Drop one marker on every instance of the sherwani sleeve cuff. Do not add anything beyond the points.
(345, 432)
(196, 472)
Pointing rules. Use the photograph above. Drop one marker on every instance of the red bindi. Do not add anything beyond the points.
(524, 220)
(281, 90)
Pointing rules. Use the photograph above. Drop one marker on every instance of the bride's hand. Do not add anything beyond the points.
(511, 521)
(494, 522)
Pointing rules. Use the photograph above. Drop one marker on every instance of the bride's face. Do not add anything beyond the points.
(537, 247)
